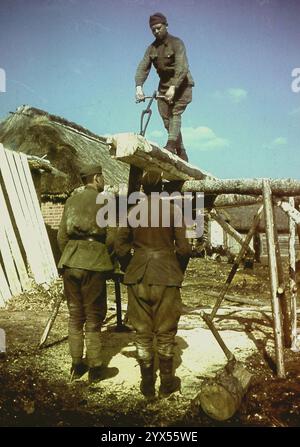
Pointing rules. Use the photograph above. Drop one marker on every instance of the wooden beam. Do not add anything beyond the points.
(233, 200)
(267, 195)
(281, 292)
(289, 210)
(137, 151)
(281, 187)
(292, 278)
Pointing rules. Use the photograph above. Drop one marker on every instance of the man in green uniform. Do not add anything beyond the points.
(167, 54)
(154, 276)
(85, 262)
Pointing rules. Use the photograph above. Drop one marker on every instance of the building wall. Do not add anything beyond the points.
(284, 246)
(52, 213)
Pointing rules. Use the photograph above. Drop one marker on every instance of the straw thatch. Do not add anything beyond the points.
(66, 145)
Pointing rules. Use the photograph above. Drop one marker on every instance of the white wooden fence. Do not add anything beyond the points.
(25, 249)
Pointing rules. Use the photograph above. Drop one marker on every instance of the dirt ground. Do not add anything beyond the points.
(34, 384)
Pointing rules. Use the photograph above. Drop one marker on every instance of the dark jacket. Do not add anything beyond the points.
(170, 60)
(158, 251)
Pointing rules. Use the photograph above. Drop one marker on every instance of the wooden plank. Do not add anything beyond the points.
(23, 226)
(29, 210)
(269, 219)
(39, 217)
(28, 215)
(31, 214)
(13, 243)
(8, 263)
(4, 288)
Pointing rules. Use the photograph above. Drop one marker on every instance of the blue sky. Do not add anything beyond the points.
(77, 59)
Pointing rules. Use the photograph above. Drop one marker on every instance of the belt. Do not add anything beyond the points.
(89, 238)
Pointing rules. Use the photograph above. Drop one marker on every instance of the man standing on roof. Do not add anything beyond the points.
(167, 54)
(85, 263)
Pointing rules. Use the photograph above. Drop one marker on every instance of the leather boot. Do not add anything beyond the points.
(77, 371)
(93, 349)
(169, 383)
(75, 341)
(171, 146)
(181, 152)
(147, 385)
(102, 372)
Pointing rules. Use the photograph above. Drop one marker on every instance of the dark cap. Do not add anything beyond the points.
(90, 170)
(156, 18)
(151, 178)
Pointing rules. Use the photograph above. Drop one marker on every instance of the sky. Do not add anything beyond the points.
(77, 59)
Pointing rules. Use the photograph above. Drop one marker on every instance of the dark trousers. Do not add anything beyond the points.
(154, 311)
(171, 113)
(87, 303)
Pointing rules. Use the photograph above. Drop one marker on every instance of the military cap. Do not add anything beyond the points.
(90, 170)
(151, 178)
(156, 18)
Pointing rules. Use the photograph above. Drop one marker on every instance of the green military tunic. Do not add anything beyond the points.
(79, 222)
(170, 60)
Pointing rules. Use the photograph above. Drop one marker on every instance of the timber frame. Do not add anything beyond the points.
(143, 155)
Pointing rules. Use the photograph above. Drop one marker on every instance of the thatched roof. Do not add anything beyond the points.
(66, 145)
(241, 218)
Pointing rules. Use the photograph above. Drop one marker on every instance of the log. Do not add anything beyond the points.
(290, 210)
(233, 200)
(284, 301)
(292, 278)
(267, 195)
(220, 397)
(136, 150)
(280, 187)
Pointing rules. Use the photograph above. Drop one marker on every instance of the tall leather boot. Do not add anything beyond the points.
(181, 152)
(97, 371)
(169, 383)
(78, 368)
(93, 349)
(147, 385)
(171, 146)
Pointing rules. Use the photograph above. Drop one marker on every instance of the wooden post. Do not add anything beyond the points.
(236, 263)
(134, 181)
(292, 275)
(281, 291)
(267, 196)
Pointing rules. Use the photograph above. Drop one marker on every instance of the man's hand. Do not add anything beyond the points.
(139, 94)
(170, 93)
